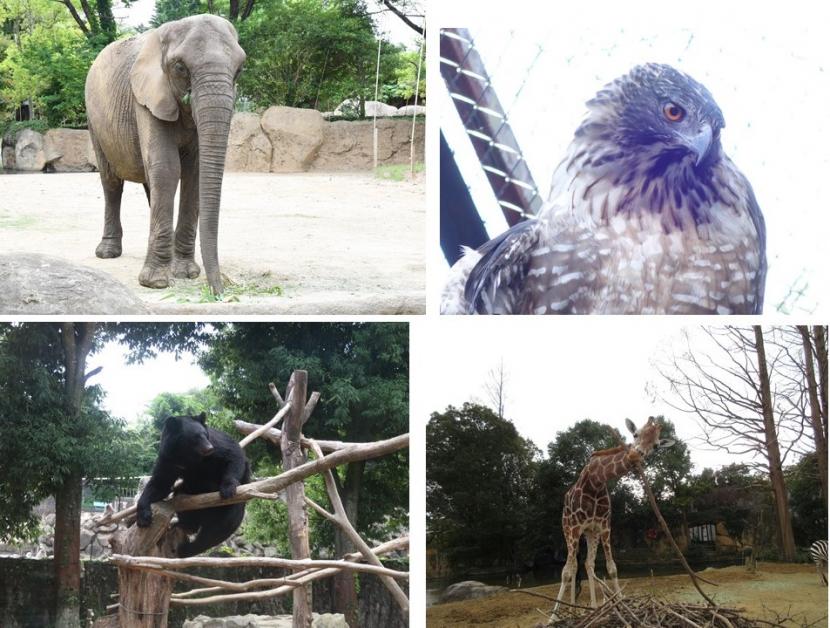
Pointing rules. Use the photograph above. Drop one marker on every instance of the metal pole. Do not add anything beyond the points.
(375, 115)
(415, 110)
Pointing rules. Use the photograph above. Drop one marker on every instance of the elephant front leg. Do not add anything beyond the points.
(163, 176)
(184, 263)
(110, 245)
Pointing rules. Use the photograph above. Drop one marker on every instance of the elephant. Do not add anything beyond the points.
(159, 107)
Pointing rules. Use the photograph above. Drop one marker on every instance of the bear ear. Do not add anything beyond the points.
(170, 424)
(201, 418)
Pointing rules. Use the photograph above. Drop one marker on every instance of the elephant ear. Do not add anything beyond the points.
(149, 82)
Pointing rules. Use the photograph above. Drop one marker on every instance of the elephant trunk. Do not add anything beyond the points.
(212, 102)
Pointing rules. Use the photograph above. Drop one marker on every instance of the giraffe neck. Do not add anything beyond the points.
(607, 466)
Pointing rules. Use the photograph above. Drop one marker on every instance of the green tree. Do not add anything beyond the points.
(479, 475)
(53, 431)
(307, 53)
(169, 10)
(362, 374)
(809, 514)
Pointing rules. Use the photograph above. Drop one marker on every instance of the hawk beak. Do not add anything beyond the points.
(699, 144)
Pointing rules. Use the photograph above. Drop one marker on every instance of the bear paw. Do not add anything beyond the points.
(145, 518)
(228, 490)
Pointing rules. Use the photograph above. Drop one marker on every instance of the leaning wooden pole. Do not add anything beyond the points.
(292, 457)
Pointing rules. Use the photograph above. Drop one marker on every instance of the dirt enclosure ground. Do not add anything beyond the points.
(782, 588)
(290, 243)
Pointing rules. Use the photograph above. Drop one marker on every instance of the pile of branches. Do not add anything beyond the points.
(649, 611)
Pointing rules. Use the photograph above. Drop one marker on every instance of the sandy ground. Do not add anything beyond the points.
(783, 588)
(329, 243)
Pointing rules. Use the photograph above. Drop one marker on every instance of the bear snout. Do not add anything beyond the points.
(205, 449)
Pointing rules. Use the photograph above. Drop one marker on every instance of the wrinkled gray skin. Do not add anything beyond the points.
(159, 107)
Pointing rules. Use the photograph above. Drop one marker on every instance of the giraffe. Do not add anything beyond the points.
(587, 506)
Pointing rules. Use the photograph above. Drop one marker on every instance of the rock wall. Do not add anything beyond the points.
(283, 139)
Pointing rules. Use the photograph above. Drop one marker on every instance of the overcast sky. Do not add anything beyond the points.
(582, 367)
(766, 68)
(129, 388)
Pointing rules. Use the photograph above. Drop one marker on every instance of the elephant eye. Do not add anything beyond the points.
(180, 68)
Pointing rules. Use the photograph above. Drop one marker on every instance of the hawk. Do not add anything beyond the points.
(646, 215)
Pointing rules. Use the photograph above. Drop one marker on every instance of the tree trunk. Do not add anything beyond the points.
(77, 339)
(820, 335)
(779, 489)
(67, 546)
(815, 409)
(345, 591)
(292, 456)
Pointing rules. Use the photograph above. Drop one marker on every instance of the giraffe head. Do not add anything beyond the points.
(648, 436)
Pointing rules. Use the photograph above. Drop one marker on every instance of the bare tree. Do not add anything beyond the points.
(496, 388)
(732, 388)
(407, 11)
(816, 391)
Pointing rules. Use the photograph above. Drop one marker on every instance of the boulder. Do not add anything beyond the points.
(8, 158)
(347, 145)
(410, 110)
(249, 149)
(86, 538)
(469, 590)
(28, 151)
(69, 150)
(40, 284)
(296, 136)
(351, 107)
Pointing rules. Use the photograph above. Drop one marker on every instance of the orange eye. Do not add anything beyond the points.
(673, 112)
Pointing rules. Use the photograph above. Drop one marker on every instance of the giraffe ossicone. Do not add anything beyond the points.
(587, 506)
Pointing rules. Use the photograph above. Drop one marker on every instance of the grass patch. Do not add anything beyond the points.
(397, 172)
(201, 293)
(7, 221)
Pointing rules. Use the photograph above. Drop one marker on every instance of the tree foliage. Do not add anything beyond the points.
(361, 372)
(39, 446)
(307, 53)
(479, 477)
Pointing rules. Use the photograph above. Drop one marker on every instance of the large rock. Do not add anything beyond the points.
(347, 145)
(249, 149)
(39, 284)
(410, 110)
(351, 107)
(8, 158)
(69, 150)
(296, 136)
(28, 151)
(469, 590)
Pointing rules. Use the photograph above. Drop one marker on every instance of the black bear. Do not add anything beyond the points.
(206, 460)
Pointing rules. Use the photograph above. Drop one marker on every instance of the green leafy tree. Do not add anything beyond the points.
(479, 475)
(362, 374)
(169, 10)
(307, 53)
(809, 514)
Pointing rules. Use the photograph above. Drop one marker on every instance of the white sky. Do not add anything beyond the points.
(766, 67)
(141, 11)
(130, 388)
(582, 367)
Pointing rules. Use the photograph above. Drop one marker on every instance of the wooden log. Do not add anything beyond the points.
(144, 598)
(293, 458)
(356, 451)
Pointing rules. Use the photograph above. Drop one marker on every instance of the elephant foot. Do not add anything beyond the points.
(109, 247)
(185, 268)
(154, 276)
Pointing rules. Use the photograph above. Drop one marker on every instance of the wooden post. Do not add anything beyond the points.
(144, 598)
(293, 456)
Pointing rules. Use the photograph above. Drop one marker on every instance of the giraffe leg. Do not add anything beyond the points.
(569, 570)
(610, 565)
(591, 538)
